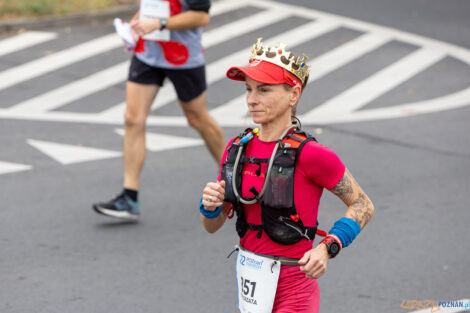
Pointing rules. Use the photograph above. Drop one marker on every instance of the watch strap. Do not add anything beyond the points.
(333, 246)
(163, 23)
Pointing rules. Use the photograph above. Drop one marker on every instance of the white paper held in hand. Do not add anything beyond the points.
(123, 29)
(150, 9)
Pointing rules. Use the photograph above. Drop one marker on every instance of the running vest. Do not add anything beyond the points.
(279, 217)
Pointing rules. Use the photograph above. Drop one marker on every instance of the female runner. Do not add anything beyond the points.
(273, 178)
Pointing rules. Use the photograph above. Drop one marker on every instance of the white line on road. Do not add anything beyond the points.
(345, 54)
(73, 91)
(377, 84)
(7, 167)
(225, 6)
(24, 40)
(447, 102)
(57, 60)
(69, 154)
(242, 26)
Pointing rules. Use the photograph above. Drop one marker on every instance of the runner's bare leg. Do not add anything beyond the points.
(199, 118)
(139, 99)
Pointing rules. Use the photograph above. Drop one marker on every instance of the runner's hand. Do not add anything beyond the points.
(314, 261)
(145, 26)
(213, 195)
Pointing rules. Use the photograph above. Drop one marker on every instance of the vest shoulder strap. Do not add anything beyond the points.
(245, 132)
(296, 139)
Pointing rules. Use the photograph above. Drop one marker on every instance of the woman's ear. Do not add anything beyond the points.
(295, 95)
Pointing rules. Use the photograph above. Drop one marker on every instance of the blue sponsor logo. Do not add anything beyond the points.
(250, 262)
(242, 260)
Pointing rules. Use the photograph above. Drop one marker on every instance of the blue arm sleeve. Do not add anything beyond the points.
(209, 214)
(346, 229)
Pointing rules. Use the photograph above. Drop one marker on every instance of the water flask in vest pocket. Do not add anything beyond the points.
(280, 188)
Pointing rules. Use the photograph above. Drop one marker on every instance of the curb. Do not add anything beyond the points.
(54, 21)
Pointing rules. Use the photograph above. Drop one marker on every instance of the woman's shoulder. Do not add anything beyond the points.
(314, 152)
(321, 164)
(313, 146)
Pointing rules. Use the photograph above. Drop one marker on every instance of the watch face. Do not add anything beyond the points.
(334, 248)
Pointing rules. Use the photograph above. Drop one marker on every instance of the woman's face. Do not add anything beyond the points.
(268, 103)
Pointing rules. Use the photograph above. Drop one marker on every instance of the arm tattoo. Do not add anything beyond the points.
(344, 189)
(360, 208)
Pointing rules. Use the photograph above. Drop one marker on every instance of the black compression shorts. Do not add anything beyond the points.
(189, 83)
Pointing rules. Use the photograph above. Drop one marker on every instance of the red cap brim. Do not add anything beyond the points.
(263, 72)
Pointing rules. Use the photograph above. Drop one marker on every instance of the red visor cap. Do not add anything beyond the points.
(263, 72)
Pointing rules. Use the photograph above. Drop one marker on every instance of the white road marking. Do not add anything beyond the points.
(24, 40)
(320, 66)
(221, 7)
(7, 167)
(448, 102)
(58, 60)
(344, 54)
(377, 84)
(242, 26)
(160, 142)
(73, 91)
(69, 154)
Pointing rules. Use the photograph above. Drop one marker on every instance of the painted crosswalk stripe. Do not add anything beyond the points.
(58, 60)
(222, 7)
(24, 40)
(452, 101)
(376, 85)
(73, 91)
(242, 26)
(216, 70)
(345, 54)
(7, 167)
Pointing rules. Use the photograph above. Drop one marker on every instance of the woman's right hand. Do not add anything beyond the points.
(213, 195)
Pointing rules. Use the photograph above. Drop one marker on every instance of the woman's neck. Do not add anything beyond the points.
(273, 130)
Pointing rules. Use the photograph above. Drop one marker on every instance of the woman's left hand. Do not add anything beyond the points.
(145, 26)
(314, 262)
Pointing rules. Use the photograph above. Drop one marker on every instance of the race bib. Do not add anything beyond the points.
(150, 9)
(257, 278)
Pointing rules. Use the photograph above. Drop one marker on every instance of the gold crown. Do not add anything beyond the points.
(279, 56)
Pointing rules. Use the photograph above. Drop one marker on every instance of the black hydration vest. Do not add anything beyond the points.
(279, 216)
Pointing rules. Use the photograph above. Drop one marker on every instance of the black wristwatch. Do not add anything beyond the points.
(332, 246)
(162, 23)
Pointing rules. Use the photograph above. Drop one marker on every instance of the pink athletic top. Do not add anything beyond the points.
(317, 167)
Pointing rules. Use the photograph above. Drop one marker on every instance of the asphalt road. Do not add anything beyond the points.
(390, 95)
